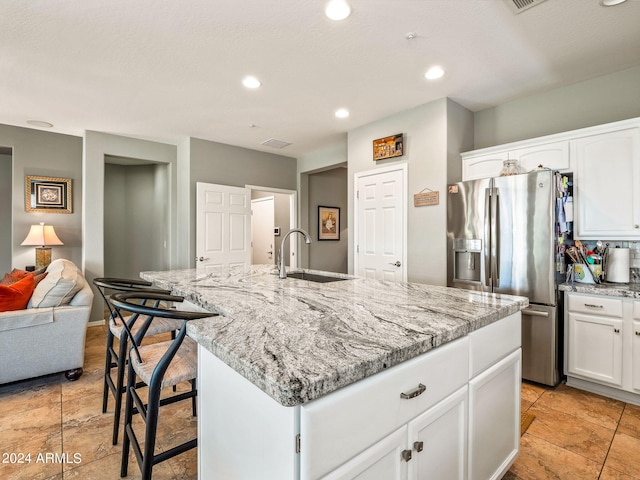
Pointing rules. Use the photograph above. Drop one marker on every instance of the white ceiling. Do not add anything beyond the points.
(166, 70)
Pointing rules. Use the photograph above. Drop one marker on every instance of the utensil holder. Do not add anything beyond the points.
(580, 274)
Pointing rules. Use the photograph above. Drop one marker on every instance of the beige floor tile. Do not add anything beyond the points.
(624, 455)
(630, 421)
(33, 458)
(18, 401)
(611, 474)
(587, 406)
(90, 437)
(541, 460)
(108, 468)
(531, 392)
(40, 422)
(570, 432)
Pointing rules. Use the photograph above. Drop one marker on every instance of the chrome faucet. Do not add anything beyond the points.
(307, 240)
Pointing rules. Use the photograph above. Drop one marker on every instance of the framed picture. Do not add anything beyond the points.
(328, 223)
(47, 194)
(388, 147)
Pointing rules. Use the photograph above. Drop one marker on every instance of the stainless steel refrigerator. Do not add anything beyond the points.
(501, 238)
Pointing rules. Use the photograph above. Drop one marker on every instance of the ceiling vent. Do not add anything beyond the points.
(272, 142)
(519, 6)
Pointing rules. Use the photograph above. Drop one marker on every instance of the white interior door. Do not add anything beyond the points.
(380, 250)
(223, 226)
(262, 225)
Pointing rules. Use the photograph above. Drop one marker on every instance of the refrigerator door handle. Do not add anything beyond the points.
(495, 238)
(534, 313)
(487, 237)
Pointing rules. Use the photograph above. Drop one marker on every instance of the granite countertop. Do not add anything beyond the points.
(628, 290)
(298, 340)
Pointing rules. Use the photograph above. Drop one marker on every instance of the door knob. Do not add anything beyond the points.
(201, 259)
(396, 264)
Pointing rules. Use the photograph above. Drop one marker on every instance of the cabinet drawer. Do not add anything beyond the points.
(340, 425)
(493, 342)
(595, 305)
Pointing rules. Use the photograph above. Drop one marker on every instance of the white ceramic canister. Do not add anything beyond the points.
(617, 265)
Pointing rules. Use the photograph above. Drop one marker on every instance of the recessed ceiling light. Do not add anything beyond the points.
(40, 123)
(251, 82)
(337, 10)
(611, 3)
(434, 73)
(342, 113)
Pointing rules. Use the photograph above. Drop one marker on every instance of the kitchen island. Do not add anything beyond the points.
(302, 380)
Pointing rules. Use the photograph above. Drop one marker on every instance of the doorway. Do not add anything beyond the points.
(6, 193)
(262, 231)
(136, 211)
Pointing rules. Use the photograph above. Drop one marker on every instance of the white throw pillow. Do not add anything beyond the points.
(62, 282)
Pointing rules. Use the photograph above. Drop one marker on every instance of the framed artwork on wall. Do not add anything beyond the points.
(48, 194)
(328, 223)
(388, 147)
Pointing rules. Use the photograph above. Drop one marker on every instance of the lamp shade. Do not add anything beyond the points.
(42, 235)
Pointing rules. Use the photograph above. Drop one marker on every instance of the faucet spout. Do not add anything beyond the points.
(307, 240)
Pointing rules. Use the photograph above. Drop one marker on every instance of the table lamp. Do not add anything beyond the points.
(42, 235)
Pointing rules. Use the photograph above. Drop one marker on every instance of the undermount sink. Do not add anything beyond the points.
(314, 277)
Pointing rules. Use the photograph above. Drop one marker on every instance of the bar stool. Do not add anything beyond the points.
(158, 366)
(116, 327)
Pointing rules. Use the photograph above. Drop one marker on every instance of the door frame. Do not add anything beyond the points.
(293, 219)
(271, 199)
(404, 169)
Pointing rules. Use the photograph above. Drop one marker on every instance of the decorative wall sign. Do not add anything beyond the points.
(48, 194)
(328, 223)
(388, 147)
(425, 199)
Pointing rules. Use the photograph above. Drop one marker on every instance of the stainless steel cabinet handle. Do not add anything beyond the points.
(418, 446)
(593, 306)
(406, 455)
(419, 390)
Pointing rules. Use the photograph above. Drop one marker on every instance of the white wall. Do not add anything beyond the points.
(593, 102)
(434, 136)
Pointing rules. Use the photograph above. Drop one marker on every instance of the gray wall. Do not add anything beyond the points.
(5, 213)
(36, 152)
(328, 188)
(434, 136)
(135, 219)
(593, 102)
(213, 162)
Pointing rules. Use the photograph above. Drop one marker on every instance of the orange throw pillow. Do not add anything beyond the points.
(13, 276)
(17, 295)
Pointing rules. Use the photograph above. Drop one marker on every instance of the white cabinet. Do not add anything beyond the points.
(382, 460)
(483, 166)
(635, 362)
(554, 155)
(602, 345)
(408, 422)
(494, 419)
(607, 185)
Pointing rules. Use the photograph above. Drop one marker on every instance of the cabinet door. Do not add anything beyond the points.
(438, 439)
(494, 419)
(383, 460)
(607, 187)
(595, 348)
(635, 348)
(483, 166)
(550, 155)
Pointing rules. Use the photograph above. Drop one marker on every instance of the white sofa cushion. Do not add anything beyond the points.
(62, 282)
(25, 318)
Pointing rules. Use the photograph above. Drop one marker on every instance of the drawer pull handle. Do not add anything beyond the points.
(406, 455)
(616, 330)
(419, 390)
(418, 446)
(592, 305)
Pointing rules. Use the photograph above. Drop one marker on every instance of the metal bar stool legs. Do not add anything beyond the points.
(158, 366)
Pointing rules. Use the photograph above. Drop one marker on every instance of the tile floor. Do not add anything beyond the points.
(575, 435)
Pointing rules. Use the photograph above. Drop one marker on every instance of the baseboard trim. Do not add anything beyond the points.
(96, 323)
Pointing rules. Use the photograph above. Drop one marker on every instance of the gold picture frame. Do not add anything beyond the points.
(388, 147)
(48, 194)
(328, 223)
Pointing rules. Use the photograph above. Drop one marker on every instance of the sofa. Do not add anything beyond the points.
(47, 335)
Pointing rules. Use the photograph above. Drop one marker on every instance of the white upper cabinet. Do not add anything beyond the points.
(607, 185)
(529, 154)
